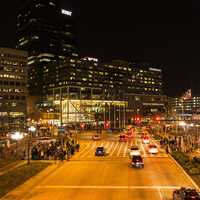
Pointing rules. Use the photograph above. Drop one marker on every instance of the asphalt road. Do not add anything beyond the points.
(86, 177)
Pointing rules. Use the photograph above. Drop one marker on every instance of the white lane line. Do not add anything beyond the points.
(107, 144)
(107, 187)
(125, 150)
(84, 149)
(119, 149)
(101, 145)
(114, 149)
(87, 152)
(143, 149)
(160, 194)
(110, 147)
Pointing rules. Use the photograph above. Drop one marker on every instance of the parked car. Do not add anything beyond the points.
(186, 194)
(137, 161)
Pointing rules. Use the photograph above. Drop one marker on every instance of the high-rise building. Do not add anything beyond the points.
(45, 30)
(117, 89)
(13, 90)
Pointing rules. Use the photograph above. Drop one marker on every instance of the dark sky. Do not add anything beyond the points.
(165, 33)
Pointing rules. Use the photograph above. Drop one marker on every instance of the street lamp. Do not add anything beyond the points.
(16, 136)
(31, 130)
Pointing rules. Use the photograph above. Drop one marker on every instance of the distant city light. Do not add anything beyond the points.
(155, 69)
(66, 12)
(16, 136)
(91, 59)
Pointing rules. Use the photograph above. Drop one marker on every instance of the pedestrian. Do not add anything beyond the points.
(77, 147)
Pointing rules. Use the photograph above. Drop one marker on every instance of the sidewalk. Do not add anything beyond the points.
(25, 189)
(11, 167)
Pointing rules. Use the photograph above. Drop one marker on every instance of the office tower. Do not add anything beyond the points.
(45, 30)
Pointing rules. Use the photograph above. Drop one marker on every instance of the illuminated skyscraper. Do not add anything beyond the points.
(46, 30)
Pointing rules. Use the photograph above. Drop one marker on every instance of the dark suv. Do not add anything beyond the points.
(100, 151)
(137, 161)
(186, 194)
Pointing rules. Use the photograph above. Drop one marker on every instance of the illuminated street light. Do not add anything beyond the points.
(31, 130)
(16, 136)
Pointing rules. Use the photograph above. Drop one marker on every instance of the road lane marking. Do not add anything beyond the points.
(83, 150)
(107, 144)
(160, 194)
(108, 187)
(119, 149)
(114, 149)
(143, 150)
(125, 150)
(110, 147)
(90, 149)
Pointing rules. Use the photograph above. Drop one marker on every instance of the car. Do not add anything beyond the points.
(96, 137)
(137, 161)
(153, 149)
(122, 138)
(145, 139)
(100, 151)
(186, 194)
(134, 151)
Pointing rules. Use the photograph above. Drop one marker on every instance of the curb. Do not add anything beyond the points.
(188, 176)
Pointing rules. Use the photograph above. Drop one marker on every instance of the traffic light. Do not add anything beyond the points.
(157, 118)
(107, 124)
(137, 119)
(82, 125)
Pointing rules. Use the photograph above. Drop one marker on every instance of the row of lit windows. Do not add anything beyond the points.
(11, 76)
(11, 90)
(12, 97)
(9, 69)
(12, 83)
(4, 55)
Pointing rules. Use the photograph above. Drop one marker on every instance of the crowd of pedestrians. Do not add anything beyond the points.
(53, 151)
(184, 143)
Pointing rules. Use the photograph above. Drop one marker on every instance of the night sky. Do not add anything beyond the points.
(164, 33)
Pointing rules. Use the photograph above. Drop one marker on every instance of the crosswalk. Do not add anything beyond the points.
(114, 149)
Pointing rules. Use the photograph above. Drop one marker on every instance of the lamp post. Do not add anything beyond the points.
(16, 136)
(31, 130)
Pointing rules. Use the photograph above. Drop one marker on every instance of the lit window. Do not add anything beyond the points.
(66, 12)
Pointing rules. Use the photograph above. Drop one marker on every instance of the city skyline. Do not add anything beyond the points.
(148, 33)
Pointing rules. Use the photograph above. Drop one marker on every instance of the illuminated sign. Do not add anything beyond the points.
(66, 12)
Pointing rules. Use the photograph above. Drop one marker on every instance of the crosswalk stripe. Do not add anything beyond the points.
(110, 147)
(87, 152)
(84, 149)
(114, 148)
(119, 149)
(125, 150)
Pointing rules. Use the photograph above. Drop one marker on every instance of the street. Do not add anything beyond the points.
(89, 177)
